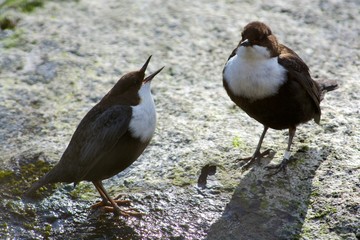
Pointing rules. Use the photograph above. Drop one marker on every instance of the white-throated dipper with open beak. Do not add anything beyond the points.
(110, 137)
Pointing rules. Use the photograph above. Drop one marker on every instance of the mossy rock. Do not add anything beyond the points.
(30, 166)
(22, 5)
(8, 21)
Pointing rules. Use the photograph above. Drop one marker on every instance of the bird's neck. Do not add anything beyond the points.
(143, 122)
(145, 95)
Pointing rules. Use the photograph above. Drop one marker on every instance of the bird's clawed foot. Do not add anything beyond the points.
(278, 167)
(107, 203)
(255, 158)
(106, 206)
(123, 212)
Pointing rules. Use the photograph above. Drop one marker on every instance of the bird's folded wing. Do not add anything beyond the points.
(299, 71)
(98, 136)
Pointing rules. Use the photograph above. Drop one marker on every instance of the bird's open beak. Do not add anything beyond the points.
(245, 43)
(143, 68)
(148, 78)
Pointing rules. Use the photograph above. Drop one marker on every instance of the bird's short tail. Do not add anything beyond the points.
(30, 193)
(51, 177)
(327, 86)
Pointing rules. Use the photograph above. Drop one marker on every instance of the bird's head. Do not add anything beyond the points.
(258, 39)
(126, 90)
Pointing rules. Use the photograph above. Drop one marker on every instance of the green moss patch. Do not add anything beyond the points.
(324, 212)
(22, 5)
(237, 142)
(8, 22)
(15, 39)
(84, 191)
(9, 7)
(15, 182)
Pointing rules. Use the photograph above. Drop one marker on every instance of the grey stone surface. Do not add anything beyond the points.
(62, 58)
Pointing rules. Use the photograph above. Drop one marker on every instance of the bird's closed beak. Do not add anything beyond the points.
(245, 43)
(150, 77)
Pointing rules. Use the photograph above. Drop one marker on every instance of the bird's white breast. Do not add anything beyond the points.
(143, 121)
(251, 73)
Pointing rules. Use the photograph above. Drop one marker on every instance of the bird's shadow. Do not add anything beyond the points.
(272, 207)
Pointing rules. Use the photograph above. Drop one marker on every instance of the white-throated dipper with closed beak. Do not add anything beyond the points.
(272, 84)
(110, 137)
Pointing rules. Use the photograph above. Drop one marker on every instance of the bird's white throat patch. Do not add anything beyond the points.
(251, 73)
(143, 121)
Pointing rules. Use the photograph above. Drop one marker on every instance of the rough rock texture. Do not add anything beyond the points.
(61, 58)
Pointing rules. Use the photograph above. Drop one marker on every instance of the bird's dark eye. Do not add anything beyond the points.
(137, 80)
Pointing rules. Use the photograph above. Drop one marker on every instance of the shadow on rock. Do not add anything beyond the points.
(270, 207)
(106, 227)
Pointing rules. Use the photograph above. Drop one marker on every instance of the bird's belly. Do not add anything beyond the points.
(127, 150)
(290, 107)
